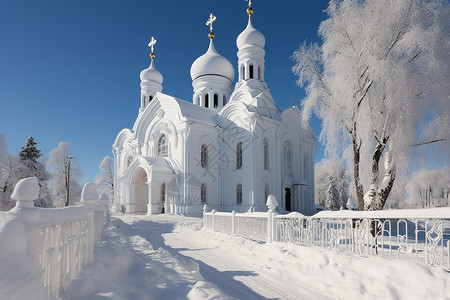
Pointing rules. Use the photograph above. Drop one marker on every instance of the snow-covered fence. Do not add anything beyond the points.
(256, 226)
(60, 241)
(421, 235)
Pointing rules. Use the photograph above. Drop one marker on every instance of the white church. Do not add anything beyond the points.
(229, 148)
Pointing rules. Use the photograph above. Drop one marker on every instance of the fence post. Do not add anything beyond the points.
(213, 220)
(25, 192)
(233, 224)
(271, 205)
(205, 210)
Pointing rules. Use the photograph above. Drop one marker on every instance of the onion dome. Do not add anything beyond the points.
(212, 63)
(151, 74)
(250, 36)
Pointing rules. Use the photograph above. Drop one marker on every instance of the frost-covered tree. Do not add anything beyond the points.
(429, 188)
(58, 163)
(105, 179)
(332, 201)
(30, 166)
(382, 66)
(323, 171)
(7, 181)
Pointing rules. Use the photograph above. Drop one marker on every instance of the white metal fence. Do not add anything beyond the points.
(420, 235)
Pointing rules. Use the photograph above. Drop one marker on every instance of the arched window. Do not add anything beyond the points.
(287, 153)
(239, 155)
(259, 72)
(239, 193)
(251, 71)
(243, 72)
(130, 159)
(203, 193)
(266, 153)
(224, 99)
(206, 100)
(204, 156)
(266, 192)
(162, 146)
(150, 99)
(163, 193)
(216, 100)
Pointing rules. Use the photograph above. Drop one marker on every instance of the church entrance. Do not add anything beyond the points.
(139, 192)
(287, 199)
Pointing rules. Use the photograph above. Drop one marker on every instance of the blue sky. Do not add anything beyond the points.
(69, 70)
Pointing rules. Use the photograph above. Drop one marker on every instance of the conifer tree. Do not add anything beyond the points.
(30, 166)
(332, 198)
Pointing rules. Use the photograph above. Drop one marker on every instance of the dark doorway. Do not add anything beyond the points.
(287, 198)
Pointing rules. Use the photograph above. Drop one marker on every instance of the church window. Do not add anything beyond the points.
(204, 156)
(239, 193)
(150, 98)
(243, 72)
(266, 192)
(162, 146)
(224, 100)
(216, 100)
(287, 153)
(207, 100)
(203, 193)
(251, 71)
(130, 159)
(259, 72)
(239, 155)
(163, 193)
(266, 153)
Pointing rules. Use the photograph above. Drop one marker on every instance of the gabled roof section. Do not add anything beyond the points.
(255, 98)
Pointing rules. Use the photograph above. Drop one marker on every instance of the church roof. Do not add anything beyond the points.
(212, 63)
(250, 37)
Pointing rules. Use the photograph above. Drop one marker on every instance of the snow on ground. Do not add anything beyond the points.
(172, 257)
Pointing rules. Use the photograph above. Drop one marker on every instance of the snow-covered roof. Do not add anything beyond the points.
(212, 63)
(159, 164)
(151, 74)
(250, 37)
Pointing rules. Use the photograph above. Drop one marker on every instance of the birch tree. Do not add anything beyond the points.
(379, 74)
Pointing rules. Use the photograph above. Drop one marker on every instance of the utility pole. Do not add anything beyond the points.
(68, 178)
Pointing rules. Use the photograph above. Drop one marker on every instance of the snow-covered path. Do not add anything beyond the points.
(172, 257)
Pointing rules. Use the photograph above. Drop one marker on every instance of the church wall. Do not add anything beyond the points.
(202, 134)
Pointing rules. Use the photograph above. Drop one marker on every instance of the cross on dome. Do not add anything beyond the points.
(249, 3)
(152, 43)
(211, 20)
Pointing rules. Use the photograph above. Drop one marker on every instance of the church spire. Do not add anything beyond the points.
(212, 75)
(151, 79)
(251, 50)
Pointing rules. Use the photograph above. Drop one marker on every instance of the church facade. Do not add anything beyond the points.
(229, 148)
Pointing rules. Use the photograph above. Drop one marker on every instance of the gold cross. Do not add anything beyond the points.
(211, 20)
(249, 3)
(152, 43)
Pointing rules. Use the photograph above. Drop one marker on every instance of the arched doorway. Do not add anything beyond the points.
(139, 191)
